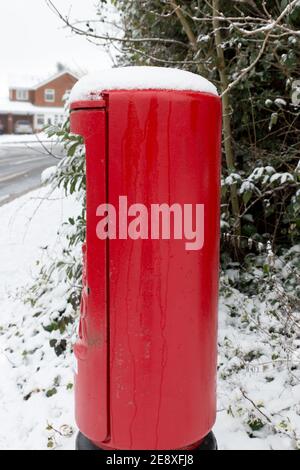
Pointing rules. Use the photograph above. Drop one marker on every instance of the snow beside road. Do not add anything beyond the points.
(29, 368)
(16, 140)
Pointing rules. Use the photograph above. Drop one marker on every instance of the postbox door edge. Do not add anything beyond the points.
(91, 350)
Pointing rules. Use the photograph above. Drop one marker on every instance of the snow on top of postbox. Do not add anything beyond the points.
(139, 78)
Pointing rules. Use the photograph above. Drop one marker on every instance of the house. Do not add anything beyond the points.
(36, 103)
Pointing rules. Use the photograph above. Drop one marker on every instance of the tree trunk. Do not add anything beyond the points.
(227, 131)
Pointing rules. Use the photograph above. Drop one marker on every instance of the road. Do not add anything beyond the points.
(21, 167)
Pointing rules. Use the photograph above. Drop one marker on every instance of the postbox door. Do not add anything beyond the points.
(164, 148)
(91, 381)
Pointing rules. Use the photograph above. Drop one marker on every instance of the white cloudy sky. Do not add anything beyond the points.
(33, 40)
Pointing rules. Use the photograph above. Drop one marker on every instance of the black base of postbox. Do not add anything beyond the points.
(209, 443)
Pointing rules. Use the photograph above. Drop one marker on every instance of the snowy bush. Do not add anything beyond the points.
(259, 344)
(64, 272)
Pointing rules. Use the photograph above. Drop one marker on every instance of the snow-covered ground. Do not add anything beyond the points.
(16, 139)
(258, 400)
(258, 395)
(30, 371)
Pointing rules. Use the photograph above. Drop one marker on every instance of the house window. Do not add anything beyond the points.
(40, 120)
(22, 95)
(49, 95)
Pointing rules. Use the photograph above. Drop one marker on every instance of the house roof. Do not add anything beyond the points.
(24, 82)
(54, 77)
(26, 108)
(33, 83)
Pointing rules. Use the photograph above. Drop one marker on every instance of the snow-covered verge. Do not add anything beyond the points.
(259, 343)
(36, 399)
(259, 363)
(12, 139)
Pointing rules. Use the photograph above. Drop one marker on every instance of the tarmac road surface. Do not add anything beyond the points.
(21, 167)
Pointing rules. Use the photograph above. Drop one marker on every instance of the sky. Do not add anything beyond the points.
(33, 40)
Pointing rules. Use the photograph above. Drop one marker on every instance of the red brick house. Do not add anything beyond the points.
(38, 104)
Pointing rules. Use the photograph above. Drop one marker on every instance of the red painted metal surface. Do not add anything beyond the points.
(91, 104)
(91, 382)
(163, 147)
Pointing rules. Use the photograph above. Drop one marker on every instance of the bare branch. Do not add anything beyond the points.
(187, 29)
(263, 47)
(227, 130)
(105, 37)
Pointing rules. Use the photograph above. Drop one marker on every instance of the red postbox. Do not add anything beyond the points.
(146, 352)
